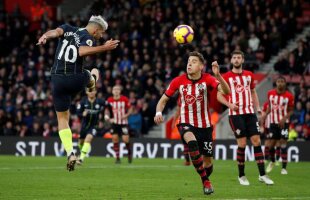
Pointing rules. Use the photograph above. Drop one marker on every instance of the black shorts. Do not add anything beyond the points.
(120, 129)
(65, 87)
(244, 125)
(90, 130)
(203, 137)
(266, 133)
(276, 133)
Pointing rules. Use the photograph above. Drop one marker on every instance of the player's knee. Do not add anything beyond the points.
(242, 142)
(189, 136)
(207, 161)
(115, 138)
(89, 138)
(125, 138)
(255, 140)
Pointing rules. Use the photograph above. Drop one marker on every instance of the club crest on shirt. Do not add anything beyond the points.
(200, 86)
(89, 42)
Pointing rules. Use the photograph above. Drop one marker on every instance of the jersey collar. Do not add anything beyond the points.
(192, 80)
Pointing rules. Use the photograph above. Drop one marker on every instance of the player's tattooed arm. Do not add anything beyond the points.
(55, 33)
(107, 46)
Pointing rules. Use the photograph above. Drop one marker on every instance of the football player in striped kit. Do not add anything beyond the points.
(121, 110)
(195, 126)
(242, 117)
(280, 109)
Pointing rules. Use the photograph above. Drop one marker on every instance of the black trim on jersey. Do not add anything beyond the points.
(238, 73)
(195, 81)
(167, 95)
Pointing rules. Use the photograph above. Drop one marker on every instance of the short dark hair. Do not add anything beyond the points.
(237, 52)
(281, 77)
(199, 55)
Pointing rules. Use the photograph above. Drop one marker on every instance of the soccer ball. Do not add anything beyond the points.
(183, 34)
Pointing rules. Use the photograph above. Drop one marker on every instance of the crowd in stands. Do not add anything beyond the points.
(300, 120)
(146, 60)
(296, 62)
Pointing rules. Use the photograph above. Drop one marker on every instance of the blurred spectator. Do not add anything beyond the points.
(135, 123)
(298, 116)
(254, 42)
(9, 130)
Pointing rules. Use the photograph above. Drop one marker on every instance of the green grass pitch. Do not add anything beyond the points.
(99, 178)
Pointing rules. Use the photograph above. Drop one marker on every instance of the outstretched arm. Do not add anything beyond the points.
(159, 108)
(223, 87)
(55, 33)
(107, 46)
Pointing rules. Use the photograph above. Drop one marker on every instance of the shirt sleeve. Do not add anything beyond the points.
(291, 101)
(266, 104)
(87, 40)
(64, 27)
(80, 108)
(173, 86)
(212, 81)
(127, 103)
(252, 85)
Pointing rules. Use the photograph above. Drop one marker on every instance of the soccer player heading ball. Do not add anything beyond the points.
(68, 74)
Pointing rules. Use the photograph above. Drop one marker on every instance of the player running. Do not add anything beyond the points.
(195, 126)
(68, 76)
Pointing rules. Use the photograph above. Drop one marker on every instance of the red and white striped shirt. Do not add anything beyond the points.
(267, 121)
(240, 86)
(279, 104)
(194, 95)
(119, 107)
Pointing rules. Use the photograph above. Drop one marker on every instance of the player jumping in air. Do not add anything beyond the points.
(68, 74)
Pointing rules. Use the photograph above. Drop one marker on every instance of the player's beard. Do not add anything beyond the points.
(237, 66)
(281, 88)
